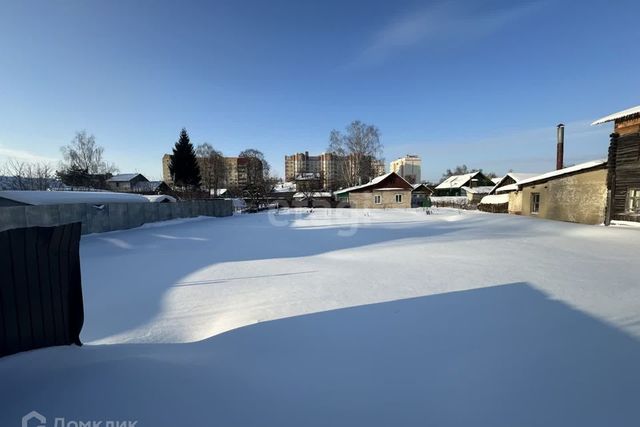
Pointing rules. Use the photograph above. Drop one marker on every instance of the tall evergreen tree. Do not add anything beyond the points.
(183, 166)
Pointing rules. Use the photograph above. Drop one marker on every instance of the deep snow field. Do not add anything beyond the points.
(348, 318)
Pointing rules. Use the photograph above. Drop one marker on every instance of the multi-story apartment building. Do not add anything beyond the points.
(236, 173)
(327, 166)
(408, 167)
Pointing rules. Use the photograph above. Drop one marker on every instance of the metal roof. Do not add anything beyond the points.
(123, 177)
(374, 181)
(516, 176)
(456, 181)
(619, 115)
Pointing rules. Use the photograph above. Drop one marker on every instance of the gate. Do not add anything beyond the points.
(40, 288)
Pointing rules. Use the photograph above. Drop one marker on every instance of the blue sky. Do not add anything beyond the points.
(481, 83)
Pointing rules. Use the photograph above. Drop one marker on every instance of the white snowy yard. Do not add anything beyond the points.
(338, 317)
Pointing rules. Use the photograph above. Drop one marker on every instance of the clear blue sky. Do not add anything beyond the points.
(481, 83)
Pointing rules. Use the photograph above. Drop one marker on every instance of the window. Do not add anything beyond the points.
(398, 198)
(377, 199)
(535, 203)
(633, 200)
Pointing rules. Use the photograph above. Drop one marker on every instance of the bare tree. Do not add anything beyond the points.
(29, 176)
(83, 153)
(359, 150)
(213, 168)
(259, 181)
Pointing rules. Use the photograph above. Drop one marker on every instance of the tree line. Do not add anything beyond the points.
(199, 168)
(194, 169)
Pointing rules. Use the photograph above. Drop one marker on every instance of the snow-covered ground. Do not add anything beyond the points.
(348, 317)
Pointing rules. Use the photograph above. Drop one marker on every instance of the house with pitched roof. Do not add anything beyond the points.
(386, 191)
(462, 185)
(125, 182)
(623, 174)
(575, 194)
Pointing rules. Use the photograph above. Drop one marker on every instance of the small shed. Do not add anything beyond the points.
(125, 181)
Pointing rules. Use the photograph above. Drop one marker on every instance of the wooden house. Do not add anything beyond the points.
(125, 182)
(623, 177)
(508, 183)
(461, 185)
(386, 191)
(420, 195)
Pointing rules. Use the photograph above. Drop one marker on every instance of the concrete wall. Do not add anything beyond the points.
(365, 200)
(575, 198)
(111, 216)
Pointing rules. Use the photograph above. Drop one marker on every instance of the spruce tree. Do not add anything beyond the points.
(183, 166)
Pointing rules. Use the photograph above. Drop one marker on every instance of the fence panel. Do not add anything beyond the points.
(40, 288)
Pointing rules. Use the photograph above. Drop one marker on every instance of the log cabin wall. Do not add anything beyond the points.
(624, 173)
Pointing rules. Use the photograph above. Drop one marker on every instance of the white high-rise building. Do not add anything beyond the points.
(408, 167)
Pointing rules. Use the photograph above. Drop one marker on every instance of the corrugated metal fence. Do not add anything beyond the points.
(40, 288)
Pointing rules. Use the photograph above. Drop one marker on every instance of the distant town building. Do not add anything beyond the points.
(408, 167)
(325, 167)
(235, 171)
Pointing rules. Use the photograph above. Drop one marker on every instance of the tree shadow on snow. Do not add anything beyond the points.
(499, 356)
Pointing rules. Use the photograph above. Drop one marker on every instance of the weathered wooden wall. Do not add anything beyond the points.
(628, 125)
(625, 172)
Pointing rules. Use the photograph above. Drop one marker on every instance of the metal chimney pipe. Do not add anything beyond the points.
(560, 150)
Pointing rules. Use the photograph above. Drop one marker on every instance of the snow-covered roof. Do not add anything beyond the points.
(516, 176)
(478, 190)
(495, 199)
(317, 194)
(147, 185)
(506, 188)
(553, 174)
(619, 115)
(416, 186)
(285, 187)
(68, 197)
(219, 192)
(456, 181)
(123, 177)
(374, 181)
(496, 180)
(161, 198)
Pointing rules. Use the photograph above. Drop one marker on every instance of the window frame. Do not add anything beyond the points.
(377, 199)
(632, 204)
(398, 197)
(535, 203)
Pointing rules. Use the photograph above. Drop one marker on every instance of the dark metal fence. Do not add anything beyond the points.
(40, 288)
